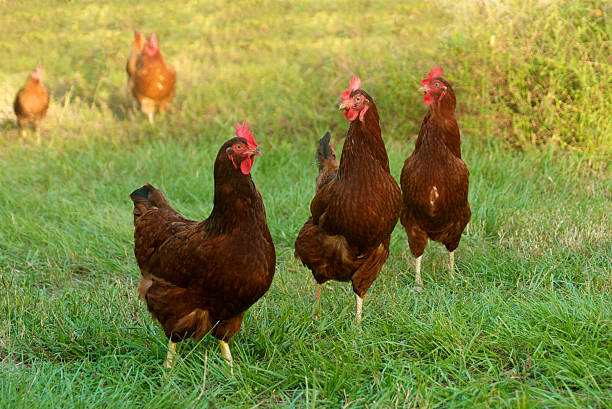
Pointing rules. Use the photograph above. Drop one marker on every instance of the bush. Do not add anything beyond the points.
(535, 72)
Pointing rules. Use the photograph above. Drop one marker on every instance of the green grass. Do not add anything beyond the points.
(526, 324)
(537, 72)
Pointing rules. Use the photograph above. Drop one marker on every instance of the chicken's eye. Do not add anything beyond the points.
(437, 84)
(238, 147)
(358, 99)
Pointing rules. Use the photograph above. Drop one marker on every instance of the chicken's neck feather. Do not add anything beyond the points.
(440, 130)
(34, 84)
(442, 124)
(237, 202)
(363, 143)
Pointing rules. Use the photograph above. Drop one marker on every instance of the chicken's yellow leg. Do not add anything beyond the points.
(359, 308)
(452, 264)
(417, 276)
(317, 297)
(225, 351)
(171, 355)
(317, 294)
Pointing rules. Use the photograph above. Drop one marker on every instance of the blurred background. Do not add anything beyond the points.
(530, 73)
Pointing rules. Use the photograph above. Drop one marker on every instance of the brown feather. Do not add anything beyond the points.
(152, 83)
(435, 181)
(354, 210)
(200, 277)
(31, 104)
(328, 162)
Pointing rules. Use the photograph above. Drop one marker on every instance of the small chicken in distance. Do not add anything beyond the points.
(434, 178)
(137, 47)
(201, 277)
(152, 83)
(31, 102)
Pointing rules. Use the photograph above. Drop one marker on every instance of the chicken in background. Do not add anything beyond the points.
(31, 102)
(152, 83)
(356, 205)
(434, 179)
(201, 277)
(137, 47)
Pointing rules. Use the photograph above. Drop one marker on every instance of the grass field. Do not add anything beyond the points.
(526, 324)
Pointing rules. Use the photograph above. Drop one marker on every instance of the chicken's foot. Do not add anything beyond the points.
(417, 276)
(151, 118)
(359, 308)
(171, 355)
(317, 300)
(225, 351)
(452, 264)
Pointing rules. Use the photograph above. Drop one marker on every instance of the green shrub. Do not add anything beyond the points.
(535, 72)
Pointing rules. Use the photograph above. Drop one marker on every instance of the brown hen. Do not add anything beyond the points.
(201, 277)
(152, 83)
(434, 178)
(356, 205)
(31, 102)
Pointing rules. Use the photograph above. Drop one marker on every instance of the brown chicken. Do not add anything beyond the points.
(356, 205)
(434, 178)
(137, 47)
(201, 277)
(153, 80)
(31, 102)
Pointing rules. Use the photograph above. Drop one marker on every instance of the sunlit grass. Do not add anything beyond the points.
(536, 72)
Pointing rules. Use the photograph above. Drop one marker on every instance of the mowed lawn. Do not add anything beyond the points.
(527, 323)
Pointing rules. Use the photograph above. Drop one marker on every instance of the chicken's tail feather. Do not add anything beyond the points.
(146, 198)
(325, 151)
(326, 157)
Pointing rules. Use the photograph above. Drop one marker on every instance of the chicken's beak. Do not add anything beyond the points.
(254, 152)
(344, 105)
(423, 88)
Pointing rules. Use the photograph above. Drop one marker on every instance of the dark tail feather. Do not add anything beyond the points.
(324, 150)
(145, 198)
(326, 157)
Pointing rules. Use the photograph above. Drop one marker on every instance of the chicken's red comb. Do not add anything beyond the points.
(37, 73)
(152, 46)
(153, 41)
(243, 131)
(435, 72)
(354, 85)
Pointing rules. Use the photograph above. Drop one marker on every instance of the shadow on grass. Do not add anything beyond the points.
(9, 124)
(9, 129)
(122, 105)
(119, 101)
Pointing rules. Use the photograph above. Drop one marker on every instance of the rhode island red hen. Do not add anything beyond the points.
(31, 102)
(152, 83)
(356, 205)
(434, 178)
(201, 277)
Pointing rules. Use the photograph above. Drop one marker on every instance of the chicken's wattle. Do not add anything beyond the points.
(351, 114)
(428, 99)
(245, 166)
